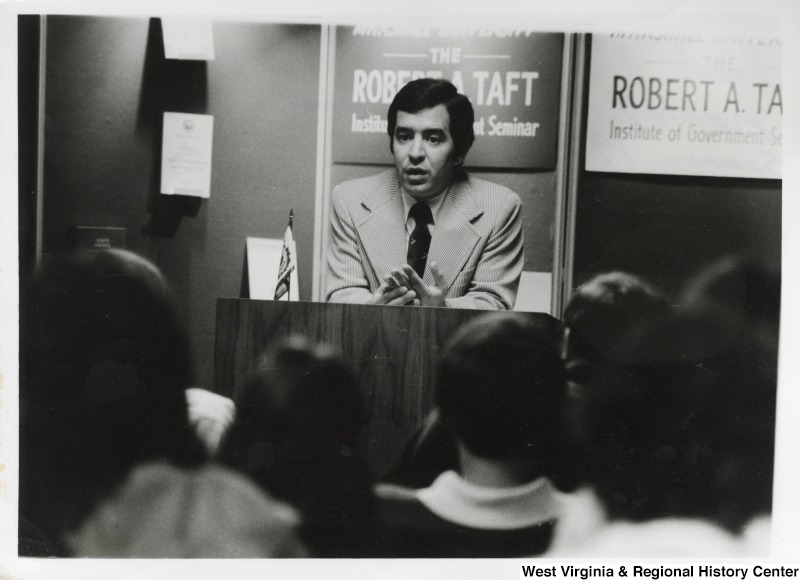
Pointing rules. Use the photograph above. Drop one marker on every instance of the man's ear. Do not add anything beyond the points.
(461, 155)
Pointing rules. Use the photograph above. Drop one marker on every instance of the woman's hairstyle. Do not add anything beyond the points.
(105, 364)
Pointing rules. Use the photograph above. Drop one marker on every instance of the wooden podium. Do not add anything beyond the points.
(393, 350)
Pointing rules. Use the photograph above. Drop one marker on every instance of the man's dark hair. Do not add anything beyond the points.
(500, 386)
(426, 93)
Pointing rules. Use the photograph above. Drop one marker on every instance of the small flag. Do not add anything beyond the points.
(287, 261)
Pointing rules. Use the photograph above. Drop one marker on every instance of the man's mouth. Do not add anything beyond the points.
(415, 174)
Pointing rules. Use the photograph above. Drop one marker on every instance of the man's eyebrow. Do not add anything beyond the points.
(425, 131)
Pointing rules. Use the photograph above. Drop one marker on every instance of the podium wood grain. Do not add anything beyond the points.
(393, 351)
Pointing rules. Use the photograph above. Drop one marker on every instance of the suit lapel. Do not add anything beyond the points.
(383, 231)
(454, 237)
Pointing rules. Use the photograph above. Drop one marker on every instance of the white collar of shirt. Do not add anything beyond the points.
(455, 499)
(435, 203)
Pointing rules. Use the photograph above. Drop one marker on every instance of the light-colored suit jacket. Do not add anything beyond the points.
(477, 241)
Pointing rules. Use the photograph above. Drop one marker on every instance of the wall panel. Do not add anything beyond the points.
(107, 87)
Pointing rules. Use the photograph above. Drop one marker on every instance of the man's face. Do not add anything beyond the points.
(424, 152)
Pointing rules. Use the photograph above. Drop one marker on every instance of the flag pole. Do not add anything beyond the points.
(287, 264)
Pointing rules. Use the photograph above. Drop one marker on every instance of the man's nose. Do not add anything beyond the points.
(416, 152)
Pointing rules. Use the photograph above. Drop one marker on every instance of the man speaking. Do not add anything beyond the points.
(426, 233)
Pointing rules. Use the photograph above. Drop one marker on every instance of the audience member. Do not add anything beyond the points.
(599, 316)
(105, 365)
(670, 424)
(597, 321)
(744, 292)
(499, 392)
(295, 435)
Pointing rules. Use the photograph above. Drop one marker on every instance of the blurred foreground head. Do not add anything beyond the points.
(601, 312)
(105, 365)
(744, 293)
(301, 392)
(677, 420)
(500, 387)
(295, 435)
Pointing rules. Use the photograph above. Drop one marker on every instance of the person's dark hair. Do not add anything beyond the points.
(500, 386)
(426, 93)
(744, 291)
(295, 435)
(601, 312)
(598, 319)
(747, 289)
(106, 361)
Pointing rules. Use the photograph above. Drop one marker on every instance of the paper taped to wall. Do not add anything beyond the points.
(187, 38)
(186, 154)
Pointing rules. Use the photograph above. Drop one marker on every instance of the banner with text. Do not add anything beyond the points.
(511, 76)
(683, 104)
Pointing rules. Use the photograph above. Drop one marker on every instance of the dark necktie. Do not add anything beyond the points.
(420, 241)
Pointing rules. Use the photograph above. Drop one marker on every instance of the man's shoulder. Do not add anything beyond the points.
(358, 189)
(487, 193)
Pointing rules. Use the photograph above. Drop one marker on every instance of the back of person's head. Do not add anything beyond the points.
(744, 292)
(677, 419)
(295, 434)
(600, 313)
(106, 362)
(426, 93)
(664, 434)
(500, 386)
(301, 392)
(599, 319)
(748, 290)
